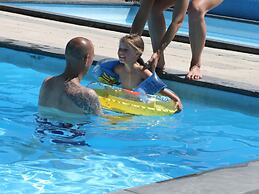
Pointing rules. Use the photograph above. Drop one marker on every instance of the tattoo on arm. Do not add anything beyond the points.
(84, 98)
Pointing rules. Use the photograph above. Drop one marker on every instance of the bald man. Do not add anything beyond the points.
(64, 92)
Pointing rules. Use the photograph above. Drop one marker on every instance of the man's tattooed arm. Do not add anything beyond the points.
(84, 98)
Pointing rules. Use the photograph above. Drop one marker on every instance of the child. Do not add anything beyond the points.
(132, 70)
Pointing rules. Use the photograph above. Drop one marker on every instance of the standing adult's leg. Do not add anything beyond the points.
(197, 33)
(142, 16)
(157, 26)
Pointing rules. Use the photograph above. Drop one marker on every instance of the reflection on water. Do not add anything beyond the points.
(58, 132)
(47, 155)
(73, 132)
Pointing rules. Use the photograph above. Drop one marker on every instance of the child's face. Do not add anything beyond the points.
(127, 54)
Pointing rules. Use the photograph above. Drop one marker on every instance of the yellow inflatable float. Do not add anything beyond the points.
(131, 102)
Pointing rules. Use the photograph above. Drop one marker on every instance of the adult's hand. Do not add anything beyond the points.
(154, 60)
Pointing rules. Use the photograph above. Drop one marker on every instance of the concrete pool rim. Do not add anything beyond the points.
(121, 28)
(208, 82)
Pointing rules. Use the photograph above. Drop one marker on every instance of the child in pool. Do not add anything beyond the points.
(132, 70)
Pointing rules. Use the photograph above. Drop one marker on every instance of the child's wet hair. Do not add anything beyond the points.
(136, 42)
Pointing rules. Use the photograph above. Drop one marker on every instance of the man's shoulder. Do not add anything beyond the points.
(45, 90)
(47, 81)
(83, 97)
(77, 89)
(88, 91)
(82, 92)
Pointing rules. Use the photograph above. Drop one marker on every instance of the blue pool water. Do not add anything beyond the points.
(118, 153)
(223, 30)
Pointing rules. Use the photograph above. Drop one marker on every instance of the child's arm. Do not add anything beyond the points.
(173, 96)
(166, 92)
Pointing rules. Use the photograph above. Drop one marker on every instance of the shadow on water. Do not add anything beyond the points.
(60, 133)
(73, 134)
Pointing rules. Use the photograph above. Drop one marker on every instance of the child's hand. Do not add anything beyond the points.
(179, 106)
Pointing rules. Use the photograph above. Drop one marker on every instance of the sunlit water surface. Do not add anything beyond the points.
(101, 155)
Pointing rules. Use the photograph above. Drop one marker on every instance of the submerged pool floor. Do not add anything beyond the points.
(122, 152)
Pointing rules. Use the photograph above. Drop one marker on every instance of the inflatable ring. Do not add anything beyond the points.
(130, 102)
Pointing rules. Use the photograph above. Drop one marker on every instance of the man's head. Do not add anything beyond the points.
(79, 55)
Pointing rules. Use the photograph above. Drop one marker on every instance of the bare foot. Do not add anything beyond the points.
(194, 73)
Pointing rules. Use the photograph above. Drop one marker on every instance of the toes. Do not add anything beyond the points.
(193, 76)
(196, 77)
(189, 76)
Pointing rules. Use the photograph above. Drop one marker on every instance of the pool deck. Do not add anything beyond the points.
(220, 67)
(235, 180)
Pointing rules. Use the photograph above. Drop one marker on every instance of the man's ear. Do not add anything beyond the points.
(86, 59)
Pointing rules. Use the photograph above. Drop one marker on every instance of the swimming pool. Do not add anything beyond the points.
(101, 155)
(228, 31)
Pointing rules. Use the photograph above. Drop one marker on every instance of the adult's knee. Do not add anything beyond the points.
(156, 11)
(157, 8)
(195, 10)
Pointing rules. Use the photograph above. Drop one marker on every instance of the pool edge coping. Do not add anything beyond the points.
(186, 177)
(206, 82)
